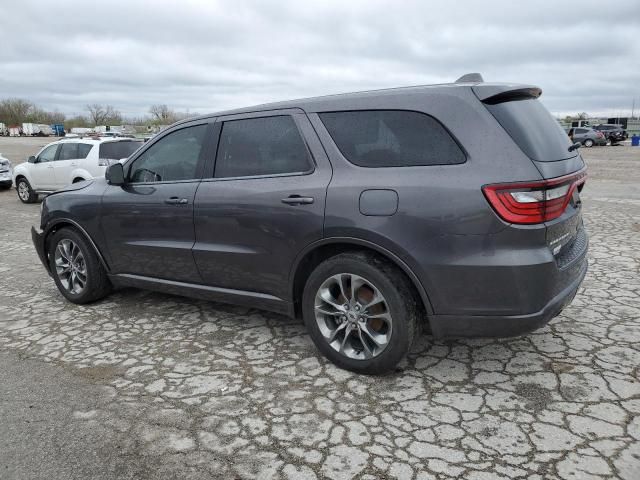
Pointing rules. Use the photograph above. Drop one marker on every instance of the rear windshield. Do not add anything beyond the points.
(533, 128)
(118, 150)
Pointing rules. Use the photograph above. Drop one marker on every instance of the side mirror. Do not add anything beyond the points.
(115, 174)
(31, 159)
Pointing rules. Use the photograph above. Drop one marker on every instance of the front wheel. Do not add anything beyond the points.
(26, 194)
(76, 268)
(361, 312)
(588, 143)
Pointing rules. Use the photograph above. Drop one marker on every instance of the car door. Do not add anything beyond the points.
(147, 223)
(42, 171)
(580, 135)
(64, 163)
(262, 204)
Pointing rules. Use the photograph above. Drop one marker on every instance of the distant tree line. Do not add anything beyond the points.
(15, 111)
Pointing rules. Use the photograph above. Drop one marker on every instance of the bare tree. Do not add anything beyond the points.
(103, 114)
(14, 111)
(162, 114)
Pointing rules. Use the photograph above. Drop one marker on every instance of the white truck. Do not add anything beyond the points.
(36, 129)
(4, 131)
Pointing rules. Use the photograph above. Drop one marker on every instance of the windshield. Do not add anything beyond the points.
(533, 128)
(118, 150)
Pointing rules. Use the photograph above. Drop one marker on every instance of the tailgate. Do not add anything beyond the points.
(517, 109)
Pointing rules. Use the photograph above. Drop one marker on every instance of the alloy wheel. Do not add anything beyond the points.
(71, 267)
(353, 316)
(23, 191)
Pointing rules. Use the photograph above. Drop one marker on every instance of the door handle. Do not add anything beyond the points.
(176, 201)
(297, 200)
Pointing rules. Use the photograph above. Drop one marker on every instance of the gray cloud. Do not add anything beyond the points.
(208, 56)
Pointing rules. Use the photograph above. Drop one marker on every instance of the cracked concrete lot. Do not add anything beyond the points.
(144, 385)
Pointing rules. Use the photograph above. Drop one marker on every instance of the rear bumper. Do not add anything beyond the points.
(507, 325)
(37, 237)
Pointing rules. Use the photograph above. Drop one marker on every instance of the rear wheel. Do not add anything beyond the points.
(361, 312)
(588, 143)
(26, 194)
(76, 268)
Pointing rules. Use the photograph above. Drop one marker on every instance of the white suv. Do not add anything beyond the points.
(69, 161)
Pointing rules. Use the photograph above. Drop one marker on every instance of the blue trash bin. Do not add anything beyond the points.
(635, 140)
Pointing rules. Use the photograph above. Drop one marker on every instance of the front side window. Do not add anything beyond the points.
(261, 146)
(391, 138)
(48, 154)
(68, 151)
(174, 157)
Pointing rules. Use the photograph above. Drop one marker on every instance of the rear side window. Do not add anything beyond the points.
(261, 146)
(84, 149)
(68, 151)
(533, 129)
(118, 150)
(391, 138)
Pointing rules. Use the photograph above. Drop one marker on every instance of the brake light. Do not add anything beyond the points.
(533, 202)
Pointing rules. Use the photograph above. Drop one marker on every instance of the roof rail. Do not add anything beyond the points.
(470, 78)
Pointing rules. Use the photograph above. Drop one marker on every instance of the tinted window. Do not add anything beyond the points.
(391, 138)
(533, 128)
(48, 154)
(84, 149)
(173, 157)
(118, 150)
(68, 151)
(261, 146)
(581, 130)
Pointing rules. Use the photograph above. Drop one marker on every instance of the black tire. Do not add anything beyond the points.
(588, 143)
(398, 294)
(28, 195)
(96, 285)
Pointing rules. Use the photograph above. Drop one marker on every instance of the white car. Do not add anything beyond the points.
(69, 161)
(6, 174)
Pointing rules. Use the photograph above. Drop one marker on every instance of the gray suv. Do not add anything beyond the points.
(454, 207)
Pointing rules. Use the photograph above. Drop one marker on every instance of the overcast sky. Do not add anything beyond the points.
(207, 56)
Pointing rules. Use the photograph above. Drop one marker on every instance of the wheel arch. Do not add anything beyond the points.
(60, 223)
(80, 174)
(317, 252)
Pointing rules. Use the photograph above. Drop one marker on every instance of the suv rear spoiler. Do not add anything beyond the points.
(500, 93)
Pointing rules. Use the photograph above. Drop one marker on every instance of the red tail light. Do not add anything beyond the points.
(533, 202)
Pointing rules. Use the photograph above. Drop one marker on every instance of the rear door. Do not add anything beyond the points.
(148, 222)
(64, 163)
(263, 202)
(42, 172)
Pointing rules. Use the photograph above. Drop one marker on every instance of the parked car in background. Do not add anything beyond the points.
(6, 173)
(587, 136)
(68, 161)
(612, 132)
(361, 213)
